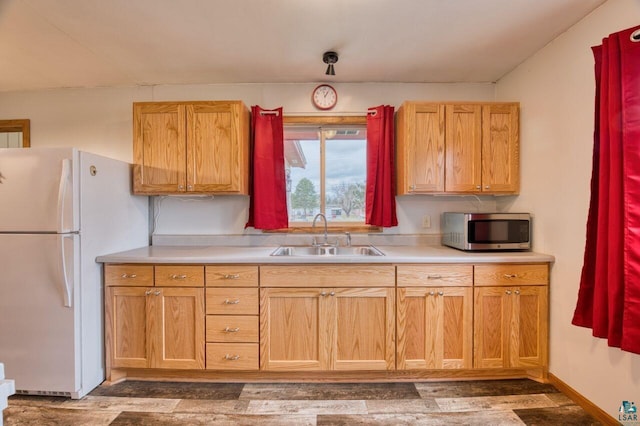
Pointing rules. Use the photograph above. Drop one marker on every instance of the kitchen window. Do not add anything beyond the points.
(326, 170)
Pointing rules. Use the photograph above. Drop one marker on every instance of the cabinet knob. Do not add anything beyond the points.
(508, 292)
(323, 293)
(441, 293)
(333, 293)
(486, 187)
(157, 292)
(412, 187)
(432, 293)
(181, 187)
(231, 330)
(148, 292)
(478, 187)
(517, 292)
(189, 187)
(231, 302)
(232, 357)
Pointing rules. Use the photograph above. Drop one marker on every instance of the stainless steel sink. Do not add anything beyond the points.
(325, 250)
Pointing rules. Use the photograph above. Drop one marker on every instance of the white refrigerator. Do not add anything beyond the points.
(59, 209)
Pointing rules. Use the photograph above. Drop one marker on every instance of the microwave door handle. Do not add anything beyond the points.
(62, 191)
(64, 277)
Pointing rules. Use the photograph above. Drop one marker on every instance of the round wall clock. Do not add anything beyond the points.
(324, 97)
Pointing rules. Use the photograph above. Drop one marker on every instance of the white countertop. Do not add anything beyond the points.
(261, 255)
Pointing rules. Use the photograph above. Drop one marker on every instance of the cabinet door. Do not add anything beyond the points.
(126, 318)
(421, 148)
(159, 137)
(216, 148)
(177, 328)
(435, 327)
(529, 326)
(492, 313)
(463, 147)
(500, 148)
(294, 335)
(364, 324)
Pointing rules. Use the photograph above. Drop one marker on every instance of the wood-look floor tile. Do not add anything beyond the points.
(482, 388)
(403, 406)
(326, 391)
(179, 390)
(560, 399)
(114, 403)
(191, 419)
(505, 402)
(307, 407)
(568, 415)
(206, 406)
(37, 401)
(479, 418)
(51, 416)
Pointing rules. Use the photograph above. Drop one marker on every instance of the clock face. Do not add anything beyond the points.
(324, 97)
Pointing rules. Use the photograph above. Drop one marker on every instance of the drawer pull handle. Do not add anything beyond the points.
(231, 330)
(511, 275)
(231, 276)
(232, 357)
(231, 302)
(178, 277)
(129, 275)
(434, 277)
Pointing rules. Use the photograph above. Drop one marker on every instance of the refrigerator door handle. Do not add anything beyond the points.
(62, 191)
(64, 279)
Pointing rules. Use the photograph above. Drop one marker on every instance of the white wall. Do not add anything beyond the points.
(556, 90)
(100, 121)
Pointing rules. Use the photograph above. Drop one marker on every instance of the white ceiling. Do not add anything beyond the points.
(89, 43)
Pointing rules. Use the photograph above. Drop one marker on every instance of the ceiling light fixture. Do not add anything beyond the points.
(330, 58)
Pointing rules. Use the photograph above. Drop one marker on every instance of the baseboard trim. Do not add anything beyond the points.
(588, 406)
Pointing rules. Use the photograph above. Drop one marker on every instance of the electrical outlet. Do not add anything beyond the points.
(426, 221)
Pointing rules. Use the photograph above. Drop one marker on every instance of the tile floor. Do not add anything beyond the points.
(500, 402)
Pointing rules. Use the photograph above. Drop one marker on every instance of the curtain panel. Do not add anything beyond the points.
(609, 295)
(381, 191)
(268, 202)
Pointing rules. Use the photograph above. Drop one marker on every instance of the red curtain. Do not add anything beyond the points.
(268, 204)
(609, 295)
(381, 191)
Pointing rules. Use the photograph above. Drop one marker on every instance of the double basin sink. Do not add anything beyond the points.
(327, 250)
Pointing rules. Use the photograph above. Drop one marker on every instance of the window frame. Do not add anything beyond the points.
(327, 120)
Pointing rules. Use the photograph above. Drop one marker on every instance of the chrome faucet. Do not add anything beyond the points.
(313, 225)
(348, 234)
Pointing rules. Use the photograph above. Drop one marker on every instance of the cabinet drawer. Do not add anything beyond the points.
(511, 274)
(179, 276)
(232, 328)
(232, 276)
(434, 275)
(128, 275)
(232, 356)
(328, 276)
(232, 301)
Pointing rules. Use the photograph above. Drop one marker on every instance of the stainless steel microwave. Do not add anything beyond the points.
(486, 231)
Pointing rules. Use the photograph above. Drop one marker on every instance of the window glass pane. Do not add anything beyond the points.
(333, 185)
(346, 173)
(302, 167)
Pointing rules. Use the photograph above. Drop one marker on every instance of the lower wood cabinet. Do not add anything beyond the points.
(152, 327)
(327, 329)
(435, 316)
(511, 316)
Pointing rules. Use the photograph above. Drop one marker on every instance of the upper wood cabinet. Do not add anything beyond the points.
(458, 148)
(191, 147)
